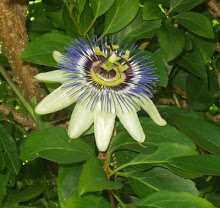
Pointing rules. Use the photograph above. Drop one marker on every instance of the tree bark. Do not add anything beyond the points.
(13, 36)
(214, 9)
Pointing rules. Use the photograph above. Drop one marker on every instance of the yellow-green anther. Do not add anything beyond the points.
(98, 52)
(112, 58)
(126, 55)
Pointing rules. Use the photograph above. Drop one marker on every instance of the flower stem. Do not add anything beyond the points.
(17, 92)
(117, 169)
(119, 200)
(111, 197)
(125, 175)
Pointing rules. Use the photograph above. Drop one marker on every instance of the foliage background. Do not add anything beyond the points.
(177, 166)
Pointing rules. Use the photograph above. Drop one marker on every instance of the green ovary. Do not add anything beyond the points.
(108, 81)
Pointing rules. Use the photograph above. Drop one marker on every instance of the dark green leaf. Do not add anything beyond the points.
(93, 178)
(53, 144)
(196, 23)
(56, 18)
(202, 132)
(89, 201)
(193, 61)
(217, 94)
(165, 152)
(152, 11)
(15, 197)
(69, 26)
(171, 40)
(4, 61)
(68, 181)
(165, 3)
(157, 134)
(123, 141)
(166, 199)
(4, 177)
(157, 179)
(86, 17)
(183, 5)
(11, 154)
(206, 46)
(201, 164)
(40, 49)
(160, 70)
(2, 162)
(41, 25)
(120, 15)
(198, 95)
(99, 7)
(79, 6)
(138, 29)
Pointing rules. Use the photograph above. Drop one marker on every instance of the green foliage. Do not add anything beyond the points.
(178, 165)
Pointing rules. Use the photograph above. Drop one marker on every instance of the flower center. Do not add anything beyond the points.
(112, 70)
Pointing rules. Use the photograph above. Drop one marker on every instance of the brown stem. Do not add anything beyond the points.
(214, 8)
(179, 90)
(112, 200)
(23, 119)
(13, 36)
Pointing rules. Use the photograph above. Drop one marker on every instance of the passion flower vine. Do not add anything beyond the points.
(105, 81)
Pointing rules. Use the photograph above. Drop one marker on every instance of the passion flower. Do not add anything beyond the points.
(105, 81)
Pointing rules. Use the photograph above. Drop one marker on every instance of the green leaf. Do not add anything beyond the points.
(69, 26)
(206, 46)
(2, 162)
(15, 197)
(217, 94)
(68, 181)
(4, 177)
(160, 70)
(198, 95)
(93, 178)
(171, 40)
(11, 154)
(120, 15)
(123, 141)
(53, 144)
(158, 179)
(165, 152)
(193, 61)
(86, 17)
(202, 132)
(4, 61)
(159, 134)
(79, 6)
(134, 31)
(166, 199)
(40, 50)
(196, 23)
(99, 7)
(152, 11)
(89, 201)
(41, 25)
(183, 5)
(201, 164)
(56, 18)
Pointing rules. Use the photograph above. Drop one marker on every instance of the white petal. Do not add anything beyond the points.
(58, 57)
(103, 125)
(52, 76)
(81, 119)
(57, 100)
(152, 111)
(131, 122)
